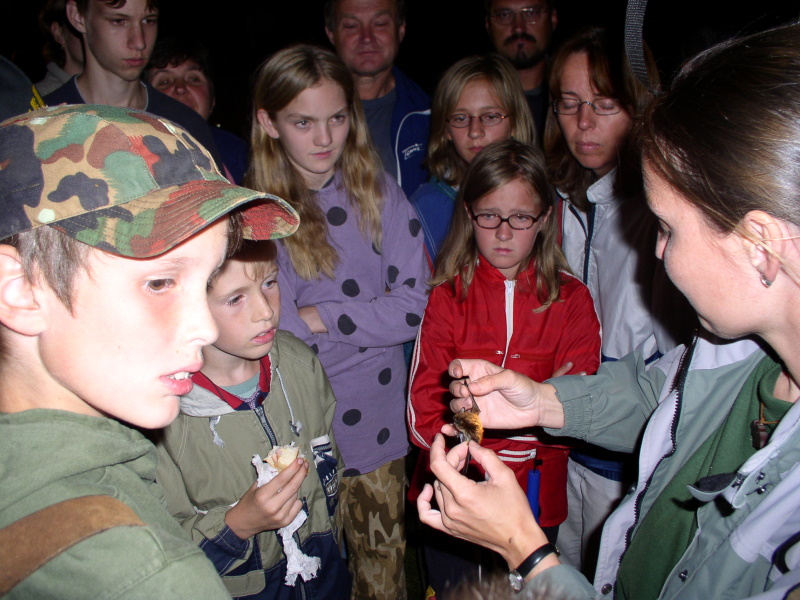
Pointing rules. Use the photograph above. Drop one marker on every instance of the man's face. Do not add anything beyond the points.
(524, 44)
(135, 333)
(186, 83)
(119, 40)
(367, 35)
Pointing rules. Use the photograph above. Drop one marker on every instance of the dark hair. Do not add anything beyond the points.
(54, 11)
(487, 4)
(726, 136)
(258, 256)
(177, 50)
(82, 5)
(332, 5)
(495, 166)
(611, 76)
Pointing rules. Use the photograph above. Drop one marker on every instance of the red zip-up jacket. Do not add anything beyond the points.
(497, 322)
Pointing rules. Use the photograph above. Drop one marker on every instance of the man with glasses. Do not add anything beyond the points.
(521, 31)
(367, 36)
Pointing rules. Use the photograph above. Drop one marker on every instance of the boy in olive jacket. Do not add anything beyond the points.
(260, 388)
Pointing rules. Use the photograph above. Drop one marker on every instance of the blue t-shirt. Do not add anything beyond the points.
(379, 121)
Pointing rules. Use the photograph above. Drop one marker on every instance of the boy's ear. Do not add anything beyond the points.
(75, 17)
(19, 308)
(267, 124)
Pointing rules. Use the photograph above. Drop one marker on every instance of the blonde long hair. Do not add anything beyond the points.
(443, 160)
(279, 80)
(495, 166)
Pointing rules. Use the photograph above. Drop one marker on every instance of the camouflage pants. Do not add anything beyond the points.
(372, 507)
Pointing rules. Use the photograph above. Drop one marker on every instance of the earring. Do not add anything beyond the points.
(765, 282)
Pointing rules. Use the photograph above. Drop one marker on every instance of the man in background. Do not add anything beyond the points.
(521, 31)
(367, 36)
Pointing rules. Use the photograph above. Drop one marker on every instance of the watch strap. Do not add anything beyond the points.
(527, 565)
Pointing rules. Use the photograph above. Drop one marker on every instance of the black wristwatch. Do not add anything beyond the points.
(517, 577)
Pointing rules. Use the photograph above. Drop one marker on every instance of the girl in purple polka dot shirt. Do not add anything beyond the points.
(352, 283)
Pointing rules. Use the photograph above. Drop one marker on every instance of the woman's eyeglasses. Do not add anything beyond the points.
(487, 119)
(567, 105)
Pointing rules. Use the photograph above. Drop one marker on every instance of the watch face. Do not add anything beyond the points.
(515, 580)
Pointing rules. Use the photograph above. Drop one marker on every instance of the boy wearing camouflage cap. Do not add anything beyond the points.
(112, 221)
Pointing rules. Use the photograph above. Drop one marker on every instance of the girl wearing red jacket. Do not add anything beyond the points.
(503, 293)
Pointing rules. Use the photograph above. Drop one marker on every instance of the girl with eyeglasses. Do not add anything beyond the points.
(352, 287)
(607, 236)
(479, 100)
(503, 293)
(714, 512)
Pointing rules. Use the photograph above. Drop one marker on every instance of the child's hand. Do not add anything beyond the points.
(270, 506)
(310, 315)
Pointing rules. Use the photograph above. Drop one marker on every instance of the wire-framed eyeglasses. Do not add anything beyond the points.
(487, 119)
(568, 105)
(520, 222)
(530, 15)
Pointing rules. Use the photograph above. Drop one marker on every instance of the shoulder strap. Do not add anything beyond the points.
(634, 43)
(29, 543)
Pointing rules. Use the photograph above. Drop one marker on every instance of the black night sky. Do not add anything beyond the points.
(241, 34)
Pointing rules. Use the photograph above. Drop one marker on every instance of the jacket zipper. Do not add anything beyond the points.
(262, 418)
(509, 285)
(678, 385)
(587, 252)
(588, 231)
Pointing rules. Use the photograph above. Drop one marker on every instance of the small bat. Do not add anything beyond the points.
(468, 423)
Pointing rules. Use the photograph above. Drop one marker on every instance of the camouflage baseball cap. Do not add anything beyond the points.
(122, 180)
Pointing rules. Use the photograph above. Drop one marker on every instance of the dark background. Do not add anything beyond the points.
(240, 34)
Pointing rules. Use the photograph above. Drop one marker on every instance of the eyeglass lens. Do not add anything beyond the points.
(529, 15)
(600, 106)
(488, 119)
(518, 222)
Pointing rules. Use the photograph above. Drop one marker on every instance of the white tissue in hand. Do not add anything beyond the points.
(297, 563)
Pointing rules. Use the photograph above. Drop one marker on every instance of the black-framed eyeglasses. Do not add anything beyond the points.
(530, 15)
(487, 119)
(567, 105)
(519, 222)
